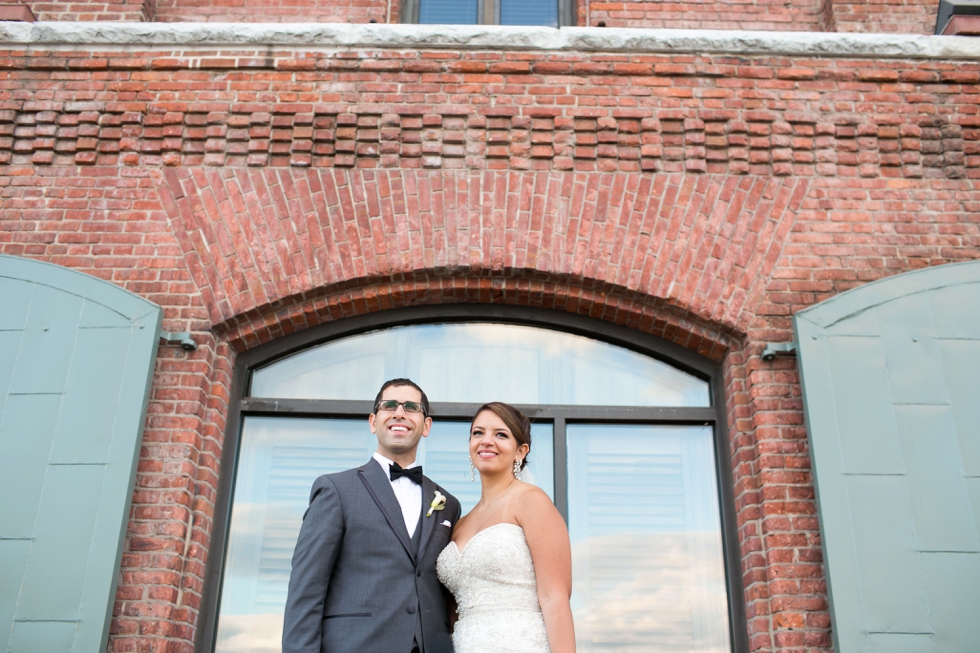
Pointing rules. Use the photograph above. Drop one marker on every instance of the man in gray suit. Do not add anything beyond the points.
(363, 578)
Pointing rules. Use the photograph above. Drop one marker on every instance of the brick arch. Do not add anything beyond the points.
(277, 249)
(517, 288)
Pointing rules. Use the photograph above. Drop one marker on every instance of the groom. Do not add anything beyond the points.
(363, 578)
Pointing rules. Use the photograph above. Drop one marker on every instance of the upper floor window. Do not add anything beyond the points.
(547, 13)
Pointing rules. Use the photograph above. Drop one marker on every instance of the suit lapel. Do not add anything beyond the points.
(428, 523)
(379, 487)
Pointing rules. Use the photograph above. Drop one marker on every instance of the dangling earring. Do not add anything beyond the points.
(517, 468)
(472, 471)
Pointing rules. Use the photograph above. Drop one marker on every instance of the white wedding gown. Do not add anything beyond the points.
(492, 579)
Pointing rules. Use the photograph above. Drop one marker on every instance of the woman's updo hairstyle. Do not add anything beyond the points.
(515, 420)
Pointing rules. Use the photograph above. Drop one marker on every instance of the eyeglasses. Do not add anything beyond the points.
(390, 405)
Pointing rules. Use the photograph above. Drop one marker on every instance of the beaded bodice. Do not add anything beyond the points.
(493, 571)
(493, 581)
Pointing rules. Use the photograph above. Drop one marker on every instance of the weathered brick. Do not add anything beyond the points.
(723, 212)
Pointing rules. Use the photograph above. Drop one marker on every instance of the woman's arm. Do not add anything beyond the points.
(547, 538)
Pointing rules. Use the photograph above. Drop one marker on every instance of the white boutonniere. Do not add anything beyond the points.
(438, 503)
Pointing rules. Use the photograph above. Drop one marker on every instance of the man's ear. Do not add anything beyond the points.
(371, 419)
(426, 425)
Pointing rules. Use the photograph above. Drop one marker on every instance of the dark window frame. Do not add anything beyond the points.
(714, 415)
(488, 12)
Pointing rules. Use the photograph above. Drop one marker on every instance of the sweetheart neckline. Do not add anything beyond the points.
(481, 531)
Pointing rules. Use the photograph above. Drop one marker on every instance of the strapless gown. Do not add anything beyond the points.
(496, 594)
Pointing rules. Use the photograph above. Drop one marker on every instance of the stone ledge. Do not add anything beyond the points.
(143, 36)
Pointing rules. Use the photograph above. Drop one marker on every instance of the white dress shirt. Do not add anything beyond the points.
(409, 494)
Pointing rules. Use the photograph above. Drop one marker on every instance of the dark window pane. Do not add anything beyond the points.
(529, 12)
(447, 12)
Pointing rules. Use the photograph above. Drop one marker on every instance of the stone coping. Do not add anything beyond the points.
(327, 36)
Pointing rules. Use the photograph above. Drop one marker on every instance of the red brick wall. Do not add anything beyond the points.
(888, 16)
(235, 11)
(796, 15)
(871, 16)
(86, 10)
(703, 199)
(275, 11)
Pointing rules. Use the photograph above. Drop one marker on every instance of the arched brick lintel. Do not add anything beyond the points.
(515, 288)
(684, 256)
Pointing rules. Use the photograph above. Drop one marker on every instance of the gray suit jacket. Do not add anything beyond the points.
(357, 585)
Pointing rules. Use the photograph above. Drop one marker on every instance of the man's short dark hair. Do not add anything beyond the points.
(399, 382)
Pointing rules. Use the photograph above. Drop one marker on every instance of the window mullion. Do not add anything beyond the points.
(561, 467)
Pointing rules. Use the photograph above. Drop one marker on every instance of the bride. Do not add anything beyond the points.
(509, 562)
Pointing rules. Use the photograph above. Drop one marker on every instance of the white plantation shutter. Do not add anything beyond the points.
(648, 572)
(291, 473)
(278, 463)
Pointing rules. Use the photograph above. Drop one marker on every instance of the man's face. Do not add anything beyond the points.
(399, 432)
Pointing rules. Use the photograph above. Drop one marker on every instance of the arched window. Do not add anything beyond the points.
(626, 435)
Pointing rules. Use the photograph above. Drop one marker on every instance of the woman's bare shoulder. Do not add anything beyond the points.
(530, 500)
(531, 491)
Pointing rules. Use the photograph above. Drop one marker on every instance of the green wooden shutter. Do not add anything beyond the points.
(891, 384)
(76, 362)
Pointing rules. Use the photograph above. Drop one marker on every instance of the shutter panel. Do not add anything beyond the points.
(76, 361)
(891, 386)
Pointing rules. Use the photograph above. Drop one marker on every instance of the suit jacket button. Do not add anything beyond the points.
(418, 572)
(411, 609)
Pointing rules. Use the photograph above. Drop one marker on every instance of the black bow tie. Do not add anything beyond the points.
(414, 474)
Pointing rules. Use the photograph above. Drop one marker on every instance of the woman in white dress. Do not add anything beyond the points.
(509, 564)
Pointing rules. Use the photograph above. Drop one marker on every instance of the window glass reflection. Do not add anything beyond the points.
(475, 363)
(279, 460)
(529, 12)
(647, 564)
(447, 12)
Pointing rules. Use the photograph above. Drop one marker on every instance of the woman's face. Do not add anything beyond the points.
(493, 448)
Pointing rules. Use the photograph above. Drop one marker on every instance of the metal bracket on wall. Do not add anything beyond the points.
(182, 338)
(775, 348)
